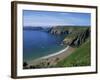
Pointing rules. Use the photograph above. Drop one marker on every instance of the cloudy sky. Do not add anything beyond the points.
(48, 18)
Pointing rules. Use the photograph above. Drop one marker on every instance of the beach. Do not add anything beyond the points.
(52, 59)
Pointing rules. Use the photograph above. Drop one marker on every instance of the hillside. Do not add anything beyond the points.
(75, 35)
(78, 38)
(80, 57)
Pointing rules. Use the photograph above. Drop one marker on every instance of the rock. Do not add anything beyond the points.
(58, 31)
(75, 35)
(81, 37)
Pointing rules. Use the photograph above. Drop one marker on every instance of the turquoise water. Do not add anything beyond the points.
(37, 43)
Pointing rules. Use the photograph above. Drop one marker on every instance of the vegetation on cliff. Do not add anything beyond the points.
(75, 35)
(80, 57)
(79, 38)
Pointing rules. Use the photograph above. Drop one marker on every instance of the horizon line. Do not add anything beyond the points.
(56, 25)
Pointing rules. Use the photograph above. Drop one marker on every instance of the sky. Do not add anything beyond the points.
(50, 18)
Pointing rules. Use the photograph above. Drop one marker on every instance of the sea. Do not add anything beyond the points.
(39, 43)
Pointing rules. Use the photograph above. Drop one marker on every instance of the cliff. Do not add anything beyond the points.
(80, 38)
(75, 36)
(58, 30)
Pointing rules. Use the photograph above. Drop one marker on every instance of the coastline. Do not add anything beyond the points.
(54, 54)
(52, 59)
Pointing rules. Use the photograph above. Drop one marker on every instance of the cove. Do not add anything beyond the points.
(38, 43)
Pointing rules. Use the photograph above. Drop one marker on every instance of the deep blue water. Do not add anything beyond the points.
(37, 43)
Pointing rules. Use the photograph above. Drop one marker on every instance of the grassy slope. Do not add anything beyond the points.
(80, 57)
(76, 28)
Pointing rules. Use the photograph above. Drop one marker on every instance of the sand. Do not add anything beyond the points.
(52, 59)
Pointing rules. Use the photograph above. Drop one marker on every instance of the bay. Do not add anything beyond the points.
(38, 43)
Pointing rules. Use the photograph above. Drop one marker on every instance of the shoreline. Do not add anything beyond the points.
(52, 59)
(54, 54)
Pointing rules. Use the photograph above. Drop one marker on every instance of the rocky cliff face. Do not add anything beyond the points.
(75, 35)
(78, 38)
(58, 30)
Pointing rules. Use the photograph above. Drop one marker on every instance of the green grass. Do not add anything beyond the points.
(74, 28)
(80, 57)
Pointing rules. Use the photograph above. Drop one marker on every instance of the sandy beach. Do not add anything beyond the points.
(52, 59)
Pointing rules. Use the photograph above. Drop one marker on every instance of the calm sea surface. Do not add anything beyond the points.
(37, 43)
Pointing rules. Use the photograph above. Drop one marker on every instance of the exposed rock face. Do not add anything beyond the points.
(58, 31)
(80, 38)
(67, 41)
(75, 35)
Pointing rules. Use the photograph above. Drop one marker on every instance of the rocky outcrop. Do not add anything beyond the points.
(58, 30)
(75, 35)
(80, 38)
